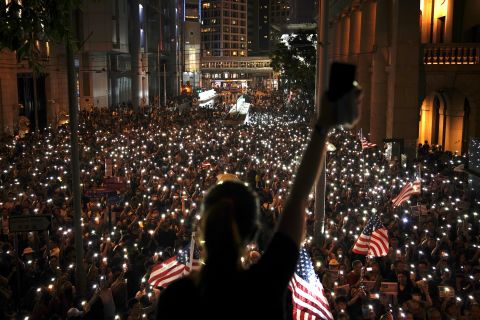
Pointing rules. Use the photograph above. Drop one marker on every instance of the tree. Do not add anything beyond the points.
(25, 25)
(295, 59)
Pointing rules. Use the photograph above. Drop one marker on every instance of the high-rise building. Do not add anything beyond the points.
(226, 65)
(224, 28)
(258, 21)
(130, 61)
(280, 11)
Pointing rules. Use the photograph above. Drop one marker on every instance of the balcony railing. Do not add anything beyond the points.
(452, 53)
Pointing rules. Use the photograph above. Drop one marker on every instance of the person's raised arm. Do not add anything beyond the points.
(292, 221)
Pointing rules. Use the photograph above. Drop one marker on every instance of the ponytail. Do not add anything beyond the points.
(221, 235)
(229, 221)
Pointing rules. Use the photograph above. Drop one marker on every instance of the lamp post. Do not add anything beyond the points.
(320, 87)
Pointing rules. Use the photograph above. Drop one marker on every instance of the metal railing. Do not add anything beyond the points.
(451, 53)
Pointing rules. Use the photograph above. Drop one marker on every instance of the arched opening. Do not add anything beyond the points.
(432, 119)
(444, 120)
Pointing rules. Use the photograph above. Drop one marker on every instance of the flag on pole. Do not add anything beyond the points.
(366, 144)
(178, 266)
(410, 189)
(309, 301)
(373, 241)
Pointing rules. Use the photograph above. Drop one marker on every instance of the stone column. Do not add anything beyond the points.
(337, 40)
(345, 35)
(331, 42)
(378, 98)
(367, 40)
(379, 82)
(404, 83)
(355, 35)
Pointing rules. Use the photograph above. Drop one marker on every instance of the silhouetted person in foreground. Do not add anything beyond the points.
(223, 289)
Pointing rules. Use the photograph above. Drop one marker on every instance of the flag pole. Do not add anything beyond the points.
(321, 79)
(192, 247)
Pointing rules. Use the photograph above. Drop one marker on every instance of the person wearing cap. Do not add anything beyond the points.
(331, 275)
(27, 252)
(333, 264)
(354, 276)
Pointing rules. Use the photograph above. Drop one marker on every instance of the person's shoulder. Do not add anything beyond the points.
(179, 293)
(181, 286)
(282, 239)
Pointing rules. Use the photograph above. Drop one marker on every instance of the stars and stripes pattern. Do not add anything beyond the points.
(309, 301)
(367, 144)
(410, 189)
(373, 241)
(178, 266)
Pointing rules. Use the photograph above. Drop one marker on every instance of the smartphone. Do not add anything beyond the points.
(342, 81)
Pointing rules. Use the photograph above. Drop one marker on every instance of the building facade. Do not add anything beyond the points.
(258, 21)
(232, 76)
(224, 28)
(192, 43)
(418, 63)
(226, 64)
(132, 52)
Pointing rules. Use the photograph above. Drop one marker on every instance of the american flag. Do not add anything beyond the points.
(366, 144)
(410, 189)
(309, 301)
(164, 273)
(373, 241)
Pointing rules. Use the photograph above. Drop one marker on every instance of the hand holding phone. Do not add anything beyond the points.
(343, 91)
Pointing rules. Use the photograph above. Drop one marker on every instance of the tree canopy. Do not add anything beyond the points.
(25, 24)
(295, 59)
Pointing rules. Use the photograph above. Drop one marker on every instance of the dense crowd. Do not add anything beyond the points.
(163, 161)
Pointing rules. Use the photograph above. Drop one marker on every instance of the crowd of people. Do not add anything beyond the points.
(162, 162)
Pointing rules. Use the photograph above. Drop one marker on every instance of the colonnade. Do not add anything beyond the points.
(382, 37)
